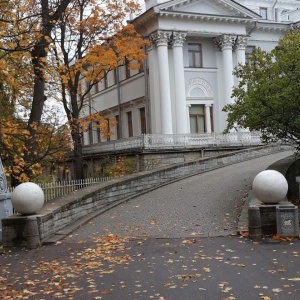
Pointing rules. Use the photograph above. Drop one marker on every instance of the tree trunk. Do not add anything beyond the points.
(38, 55)
(78, 157)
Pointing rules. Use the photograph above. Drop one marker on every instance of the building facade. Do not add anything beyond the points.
(188, 76)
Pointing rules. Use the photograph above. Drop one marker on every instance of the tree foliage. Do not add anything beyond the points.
(91, 40)
(52, 139)
(50, 49)
(268, 95)
(26, 141)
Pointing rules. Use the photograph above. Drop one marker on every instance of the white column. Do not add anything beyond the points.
(180, 100)
(161, 40)
(270, 13)
(241, 43)
(240, 49)
(207, 118)
(225, 44)
(153, 90)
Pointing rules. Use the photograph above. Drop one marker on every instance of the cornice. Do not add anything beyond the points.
(277, 27)
(156, 12)
(205, 17)
(145, 17)
(294, 2)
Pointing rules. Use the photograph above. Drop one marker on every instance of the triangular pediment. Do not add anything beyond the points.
(208, 7)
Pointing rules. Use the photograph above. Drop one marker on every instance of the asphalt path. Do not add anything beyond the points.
(204, 205)
(177, 242)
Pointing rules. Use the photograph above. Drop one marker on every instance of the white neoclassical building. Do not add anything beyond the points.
(188, 76)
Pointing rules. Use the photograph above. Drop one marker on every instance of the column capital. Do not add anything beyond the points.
(241, 42)
(151, 45)
(160, 38)
(178, 39)
(208, 105)
(225, 42)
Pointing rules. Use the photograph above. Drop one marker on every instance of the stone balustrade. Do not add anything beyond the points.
(176, 141)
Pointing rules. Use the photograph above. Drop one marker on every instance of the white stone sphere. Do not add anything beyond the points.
(27, 198)
(270, 186)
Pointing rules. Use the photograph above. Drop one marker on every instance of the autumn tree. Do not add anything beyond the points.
(25, 30)
(51, 138)
(90, 42)
(268, 95)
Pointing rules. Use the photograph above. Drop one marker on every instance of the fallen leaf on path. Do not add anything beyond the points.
(294, 279)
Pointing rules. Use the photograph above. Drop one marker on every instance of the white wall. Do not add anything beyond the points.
(265, 39)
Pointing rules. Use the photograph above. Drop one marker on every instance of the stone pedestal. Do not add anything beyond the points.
(271, 219)
(254, 226)
(6, 208)
(20, 231)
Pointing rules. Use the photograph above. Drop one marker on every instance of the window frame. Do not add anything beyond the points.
(90, 133)
(248, 54)
(127, 70)
(118, 126)
(129, 123)
(105, 81)
(96, 87)
(263, 12)
(98, 132)
(143, 120)
(108, 129)
(194, 53)
(198, 115)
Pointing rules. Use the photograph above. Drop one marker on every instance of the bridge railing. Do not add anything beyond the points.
(61, 188)
(176, 141)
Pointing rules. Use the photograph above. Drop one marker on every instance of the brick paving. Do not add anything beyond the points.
(204, 205)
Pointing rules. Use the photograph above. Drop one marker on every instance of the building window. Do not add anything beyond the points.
(114, 76)
(97, 87)
(118, 126)
(105, 81)
(90, 130)
(248, 52)
(129, 122)
(98, 132)
(141, 69)
(127, 69)
(143, 120)
(108, 129)
(263, 11)
(195, 55)
(197, 119)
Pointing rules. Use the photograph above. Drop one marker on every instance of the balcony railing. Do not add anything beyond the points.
(175, 142)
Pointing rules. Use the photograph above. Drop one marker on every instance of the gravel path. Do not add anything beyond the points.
(208, 204)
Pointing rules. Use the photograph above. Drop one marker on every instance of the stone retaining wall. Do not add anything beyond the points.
(63, 211)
